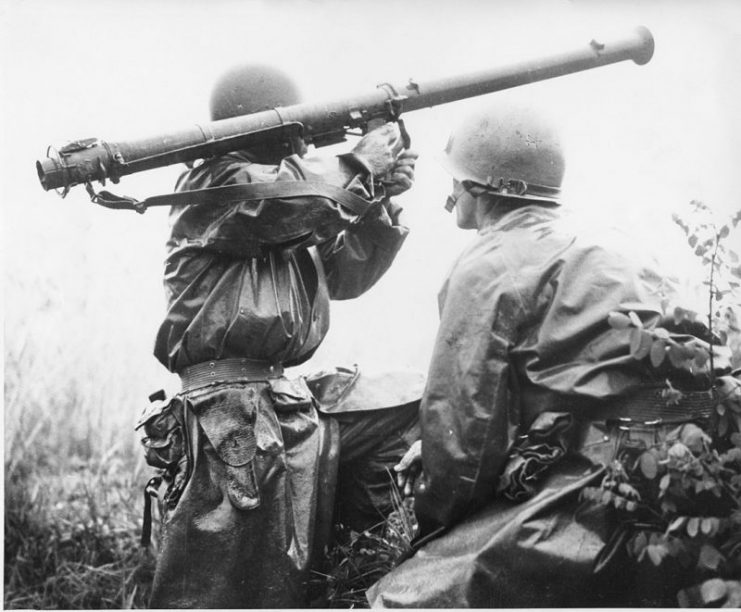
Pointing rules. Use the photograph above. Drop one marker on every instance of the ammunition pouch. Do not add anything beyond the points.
(227, 417)
(345, 389)
(289, 395)
(163, 425)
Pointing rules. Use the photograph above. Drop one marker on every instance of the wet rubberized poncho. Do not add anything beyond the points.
(236, 289)
(247, 467)
(523, 333)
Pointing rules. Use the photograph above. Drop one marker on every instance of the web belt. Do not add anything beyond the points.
(649, 405)
(227, 370)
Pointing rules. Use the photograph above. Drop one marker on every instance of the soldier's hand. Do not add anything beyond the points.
(379, 149)
(409, 469)
(401, 175)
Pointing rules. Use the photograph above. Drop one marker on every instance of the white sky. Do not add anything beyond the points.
(643, 140)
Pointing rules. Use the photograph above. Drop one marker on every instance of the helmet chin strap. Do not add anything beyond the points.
(518, 187)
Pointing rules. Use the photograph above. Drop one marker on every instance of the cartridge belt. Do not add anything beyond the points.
(650, 406)
(227, 370)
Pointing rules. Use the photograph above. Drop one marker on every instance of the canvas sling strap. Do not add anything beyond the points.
(236, 193)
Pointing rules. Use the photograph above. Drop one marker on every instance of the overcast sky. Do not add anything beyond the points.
(642, 141)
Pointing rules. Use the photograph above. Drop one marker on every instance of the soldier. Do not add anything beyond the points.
(242, 449)
(526, 379)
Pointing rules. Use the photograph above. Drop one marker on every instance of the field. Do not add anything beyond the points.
(73, 469)
(82, 291)
(77, 375)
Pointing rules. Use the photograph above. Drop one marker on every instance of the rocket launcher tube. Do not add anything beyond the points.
(88, 160)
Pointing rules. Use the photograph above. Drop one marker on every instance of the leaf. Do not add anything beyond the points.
(639, 544)
(679, 451)
(676, 355)
(668, 506)
(692, 240)
(677, 523)
(628, 491)
(701, 356)
(713, 590)
(724, 231)
(680, 222)
(694, 438)
(693, 526)
(731, 456)
(635, 319)
(661, 333)
(664, 483)
(671, 395)
(708, 594)
(617, 320)
(640, 343)
(631, 506)
(658, 353)
(656, 552)
(709, 525)
(709, 557)
(587, 494)
(649, 465)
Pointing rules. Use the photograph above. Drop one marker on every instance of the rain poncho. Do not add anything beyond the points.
(524, 349)
(254, 279)
(247, 466)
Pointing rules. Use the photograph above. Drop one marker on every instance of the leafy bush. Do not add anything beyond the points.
(678, 501)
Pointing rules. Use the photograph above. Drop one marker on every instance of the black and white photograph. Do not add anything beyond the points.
(371, 304)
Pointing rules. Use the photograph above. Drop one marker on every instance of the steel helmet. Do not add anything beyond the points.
(251, 88)
(512, 150)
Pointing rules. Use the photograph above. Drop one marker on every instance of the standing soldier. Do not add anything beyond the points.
(526, 380)
(248, 285)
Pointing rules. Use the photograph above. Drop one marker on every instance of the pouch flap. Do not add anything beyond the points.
(227, 417)
(290, 394)
(330, 386)
(157, 403)
(349, 390)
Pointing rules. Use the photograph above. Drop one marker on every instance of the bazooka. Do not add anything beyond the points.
(83, 161)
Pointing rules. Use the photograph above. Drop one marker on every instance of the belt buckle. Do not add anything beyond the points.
(634, 435)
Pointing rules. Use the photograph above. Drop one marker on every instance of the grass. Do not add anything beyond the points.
(358, 559)
(71, 540)
(77, 373)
